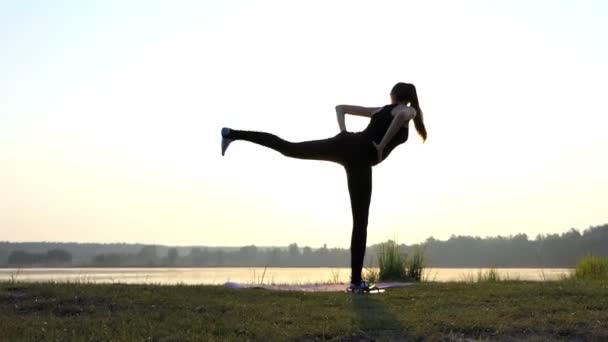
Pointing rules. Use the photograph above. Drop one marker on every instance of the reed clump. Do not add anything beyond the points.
(397, 265)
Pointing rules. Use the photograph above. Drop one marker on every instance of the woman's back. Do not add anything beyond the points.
(379, 124)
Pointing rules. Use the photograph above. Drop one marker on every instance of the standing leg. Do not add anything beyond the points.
(360, 190)
(324, 149)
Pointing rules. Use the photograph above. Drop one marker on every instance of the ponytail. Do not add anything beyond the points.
(418, 120)
(406, 92)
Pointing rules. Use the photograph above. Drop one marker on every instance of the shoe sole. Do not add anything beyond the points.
(225, 141)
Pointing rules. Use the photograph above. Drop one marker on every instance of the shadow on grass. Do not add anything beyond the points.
(375, 321)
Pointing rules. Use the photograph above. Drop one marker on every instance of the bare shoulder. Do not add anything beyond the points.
(409, 111)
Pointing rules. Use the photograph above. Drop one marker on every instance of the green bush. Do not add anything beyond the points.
(592, 267)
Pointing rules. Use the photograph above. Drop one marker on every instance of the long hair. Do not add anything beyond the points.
(406, 92)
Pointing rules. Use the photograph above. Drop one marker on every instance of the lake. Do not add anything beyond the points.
(210, 275)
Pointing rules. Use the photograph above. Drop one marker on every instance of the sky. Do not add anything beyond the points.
(110, 119)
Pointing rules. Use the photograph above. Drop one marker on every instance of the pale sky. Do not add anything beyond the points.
(110, 118)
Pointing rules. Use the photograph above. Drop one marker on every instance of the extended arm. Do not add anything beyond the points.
(341, 110)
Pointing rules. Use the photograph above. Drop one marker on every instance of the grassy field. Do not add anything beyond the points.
(515, 310)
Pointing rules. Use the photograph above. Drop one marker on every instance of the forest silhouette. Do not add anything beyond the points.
(545, 250)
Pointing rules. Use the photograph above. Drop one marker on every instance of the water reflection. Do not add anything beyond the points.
(210, 275)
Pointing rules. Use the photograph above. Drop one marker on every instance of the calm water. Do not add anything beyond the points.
(248, 274)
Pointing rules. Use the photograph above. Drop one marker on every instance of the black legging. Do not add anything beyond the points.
(353, 151)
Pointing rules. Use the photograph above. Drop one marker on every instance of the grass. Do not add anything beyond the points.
(14, 276)
(259, 279)
(371, 274)
(490, 275)
(592, 267)
(392, 262)
(504, 310)
(335, 277)
(416, 263)
(395, 265)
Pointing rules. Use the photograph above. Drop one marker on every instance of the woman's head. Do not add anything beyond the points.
(403, 93)
(406, 93)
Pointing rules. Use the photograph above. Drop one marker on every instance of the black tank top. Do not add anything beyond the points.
(378, 125)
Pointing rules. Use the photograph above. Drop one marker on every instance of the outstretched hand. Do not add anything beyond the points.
(378, 150)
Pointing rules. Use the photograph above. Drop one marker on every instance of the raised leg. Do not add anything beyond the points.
(324, 149)
(360, 189)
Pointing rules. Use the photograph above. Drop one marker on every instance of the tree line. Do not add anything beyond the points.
(549, 250)
(53, 257)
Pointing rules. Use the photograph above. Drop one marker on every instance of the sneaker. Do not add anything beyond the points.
(362, 287)
(225, 141)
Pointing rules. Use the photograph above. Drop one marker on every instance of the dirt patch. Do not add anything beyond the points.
(63, 310)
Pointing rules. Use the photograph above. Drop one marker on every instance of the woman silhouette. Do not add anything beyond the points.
(357, 152)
